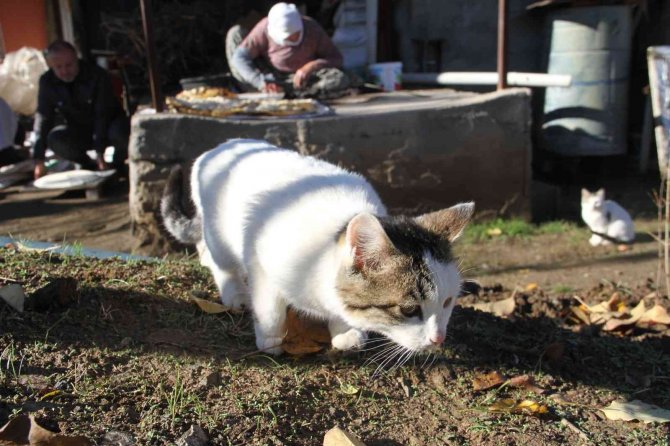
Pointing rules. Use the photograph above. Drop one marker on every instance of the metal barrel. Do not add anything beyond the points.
(593, 44)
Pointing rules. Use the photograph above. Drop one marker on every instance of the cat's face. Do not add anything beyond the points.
(593, 201)
(402, 281)
(409, 300)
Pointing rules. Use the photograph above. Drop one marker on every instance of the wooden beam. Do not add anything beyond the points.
(502, 44)
(154, 78)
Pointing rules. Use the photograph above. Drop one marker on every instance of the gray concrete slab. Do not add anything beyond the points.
(420, 149)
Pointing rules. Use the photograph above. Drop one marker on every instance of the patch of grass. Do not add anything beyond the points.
(562, 288)
(515, 227)
(11, 362)
(176, 400)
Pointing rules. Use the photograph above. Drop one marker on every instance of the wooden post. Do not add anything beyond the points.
(502, 44)
(154, 78)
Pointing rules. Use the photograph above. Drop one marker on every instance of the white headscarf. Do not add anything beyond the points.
(283, 20)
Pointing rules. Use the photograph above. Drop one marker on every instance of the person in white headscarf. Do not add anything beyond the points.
(301, 56)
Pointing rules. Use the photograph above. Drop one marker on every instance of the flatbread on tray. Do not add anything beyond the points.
(219, 102)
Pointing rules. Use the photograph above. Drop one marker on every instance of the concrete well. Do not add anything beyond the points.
(421, 150)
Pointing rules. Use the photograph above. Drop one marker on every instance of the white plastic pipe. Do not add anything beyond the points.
(489, 78)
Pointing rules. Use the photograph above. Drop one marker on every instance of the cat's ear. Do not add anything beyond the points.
(601, 193)
(448, 223)
(585, 194)
(369, 245)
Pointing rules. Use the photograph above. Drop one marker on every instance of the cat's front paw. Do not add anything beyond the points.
(595, 240)
(271, 345)
(349, 340)
(237, 301)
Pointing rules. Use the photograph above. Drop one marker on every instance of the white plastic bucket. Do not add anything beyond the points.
(387, 75)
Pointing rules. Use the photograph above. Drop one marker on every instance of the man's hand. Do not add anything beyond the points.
(271, 87)
(102, 165)
(40, 169)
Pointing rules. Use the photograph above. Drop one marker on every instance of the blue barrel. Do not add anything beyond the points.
(589, 118)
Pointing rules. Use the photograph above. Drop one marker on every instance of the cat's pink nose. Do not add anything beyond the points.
(437, 339)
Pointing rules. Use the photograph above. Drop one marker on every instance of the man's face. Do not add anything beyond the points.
(64, 64)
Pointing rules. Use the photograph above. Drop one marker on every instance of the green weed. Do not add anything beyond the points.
(13, 360)
(501, 228)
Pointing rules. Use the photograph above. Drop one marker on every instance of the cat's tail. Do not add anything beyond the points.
(184, 228)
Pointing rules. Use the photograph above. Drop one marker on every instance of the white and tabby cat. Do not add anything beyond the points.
(608, 221)
(277, 229)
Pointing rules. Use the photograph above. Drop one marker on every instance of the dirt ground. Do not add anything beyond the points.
(124, 357)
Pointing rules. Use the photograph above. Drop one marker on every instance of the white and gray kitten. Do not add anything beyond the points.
(608, 221)
(276, 229)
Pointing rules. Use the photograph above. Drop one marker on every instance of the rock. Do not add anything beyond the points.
(118, 438)
(339, 437)
(195, 436)
(211, 379)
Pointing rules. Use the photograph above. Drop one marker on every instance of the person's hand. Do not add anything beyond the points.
(300, 77)
(40, 169)
(102, 165)
(271, 87)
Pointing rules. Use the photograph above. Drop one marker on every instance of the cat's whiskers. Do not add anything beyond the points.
(402, 359)
(393, 353)
(382, 353)
(433, 361)
(376, 341)
(398, 354)
(426, 359)
(374, 347)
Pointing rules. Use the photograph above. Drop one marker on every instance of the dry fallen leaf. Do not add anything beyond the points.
(611, 305)
(527, 407)
(25, 248)
(208, 306)
(494, 232)
(348, 389)
(581, 315)
(487, 381)
(636, 410)
(339, 437)
(24, 430)
(525, 382)
(635, 314)
(531, 287)
(304, 336)
(501, 308)
(655, 315)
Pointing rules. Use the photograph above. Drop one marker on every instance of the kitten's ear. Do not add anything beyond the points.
(369, 245)
(585, 193)
(448, 223)
(601, 193)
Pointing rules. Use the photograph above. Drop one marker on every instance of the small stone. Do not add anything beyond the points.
(339, 437)
(406, 387)
(62, 385)
(211, 379)
(118, 438)
(195, 436)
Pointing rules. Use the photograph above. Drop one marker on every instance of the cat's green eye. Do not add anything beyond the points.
(411, 310)
(447, 302)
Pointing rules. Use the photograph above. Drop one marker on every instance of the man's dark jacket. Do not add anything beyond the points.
(86, 104)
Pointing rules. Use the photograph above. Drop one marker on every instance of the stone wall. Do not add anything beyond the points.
(419, 154)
